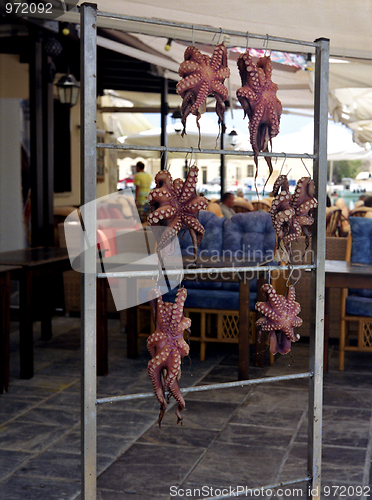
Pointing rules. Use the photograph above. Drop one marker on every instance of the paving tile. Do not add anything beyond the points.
(226, 465)
(276, 417)
(106, 494)
(108, 445)
(28, 436)
(203, 415)
(129, 424)
(51, 464)
(12, 406)
(149, 469)
(360, 381)
(347, 398)
(277, 397)
(343, 464)
(34, 488)
(256, 435)
(51, 416)
(11, 461)
(235, 395)
(178, 435)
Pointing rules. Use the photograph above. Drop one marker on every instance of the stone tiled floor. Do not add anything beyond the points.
(246, 436)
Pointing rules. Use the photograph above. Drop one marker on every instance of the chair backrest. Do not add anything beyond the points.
(361, 212)
(240, 210)
(261, 205)
(251, 234)
(361, 233)
(333, 221)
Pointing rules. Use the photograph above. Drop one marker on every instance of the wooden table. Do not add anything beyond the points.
(5, 272)
(341, 274)
(244, 291)
(40, 263)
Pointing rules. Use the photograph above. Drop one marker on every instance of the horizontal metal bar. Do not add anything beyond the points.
(209, 29)
(205, 270)
(258, 489)
(201, 388)
(227, 152)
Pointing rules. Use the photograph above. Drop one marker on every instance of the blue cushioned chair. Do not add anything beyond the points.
(356, 304)
(217, 303)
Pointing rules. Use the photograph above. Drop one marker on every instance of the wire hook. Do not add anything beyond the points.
(219, 36)
(285, 159)
(303, 163)
(193, 36)
(246, 45)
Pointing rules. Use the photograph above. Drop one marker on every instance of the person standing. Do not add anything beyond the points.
(142, 181)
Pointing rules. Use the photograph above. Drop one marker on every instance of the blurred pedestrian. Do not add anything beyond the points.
(142, 181)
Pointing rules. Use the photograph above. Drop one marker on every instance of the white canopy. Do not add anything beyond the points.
(347, 24)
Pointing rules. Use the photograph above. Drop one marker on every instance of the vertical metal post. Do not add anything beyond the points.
(318, 277)
(164, 110)
(222, 167)
(88, 172)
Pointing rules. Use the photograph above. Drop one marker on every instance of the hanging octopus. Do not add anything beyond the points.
(282, 214)
(175, 205)
(279, 318)
(167, 347)
(303, 203)
(260, 103)
(291, 214)
(202, 75)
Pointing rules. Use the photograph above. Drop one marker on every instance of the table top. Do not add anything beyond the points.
(7, 269)
(341, 274)
(33, 256)
(347, 268)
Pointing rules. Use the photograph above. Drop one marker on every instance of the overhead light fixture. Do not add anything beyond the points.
(177, 120)
(68, 89)
(233, 137)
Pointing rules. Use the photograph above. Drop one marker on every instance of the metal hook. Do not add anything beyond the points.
(290, 269)
(266, 43)
(193, 36)
(219, 36)
(246, 45)
(303, 163)
(285, 159)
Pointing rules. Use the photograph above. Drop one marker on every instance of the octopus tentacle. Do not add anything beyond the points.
(167, 348)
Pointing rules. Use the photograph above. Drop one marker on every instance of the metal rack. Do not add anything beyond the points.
(89, 18)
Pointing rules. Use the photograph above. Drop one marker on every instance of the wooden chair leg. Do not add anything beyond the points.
(203, 343)
(341, 348)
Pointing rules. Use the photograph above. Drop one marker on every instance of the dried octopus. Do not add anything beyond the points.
(202, 75)
(167, 347)
(291, 214)
(260, 103)
(279, 318)
(175, 204)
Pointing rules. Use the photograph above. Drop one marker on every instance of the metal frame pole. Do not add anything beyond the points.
(88, 277)
(318, 276)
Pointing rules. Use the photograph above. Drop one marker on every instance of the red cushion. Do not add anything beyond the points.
(115, 213)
